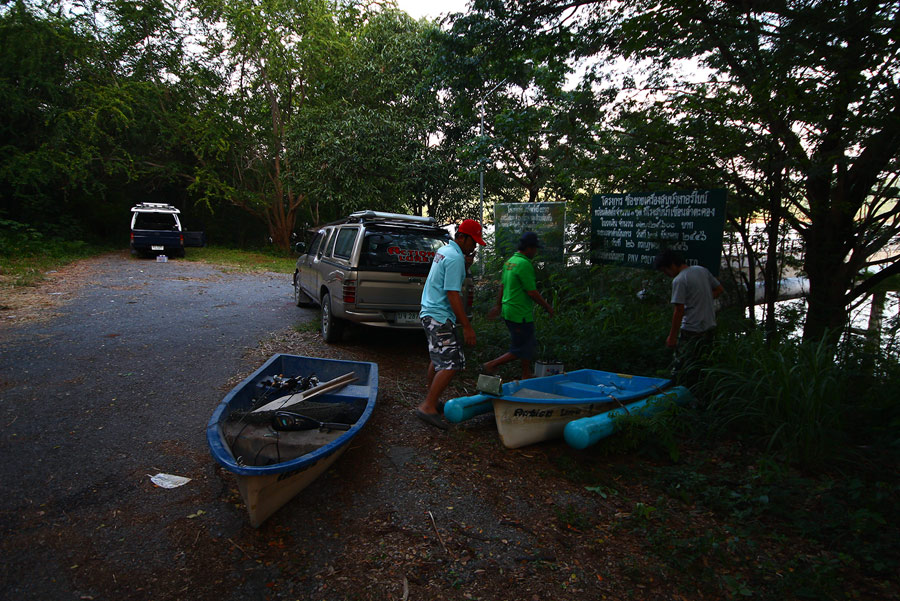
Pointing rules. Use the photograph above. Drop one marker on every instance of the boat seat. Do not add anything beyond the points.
(528, 393)
(579, 390)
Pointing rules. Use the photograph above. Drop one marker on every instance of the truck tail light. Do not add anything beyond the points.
(349, 291)
(181, 237)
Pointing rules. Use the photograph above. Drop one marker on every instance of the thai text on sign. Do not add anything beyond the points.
(631, 229)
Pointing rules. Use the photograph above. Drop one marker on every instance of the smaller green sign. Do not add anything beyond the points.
(546, 219)
(631, 229)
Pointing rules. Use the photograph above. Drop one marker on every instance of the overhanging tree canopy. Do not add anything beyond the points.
(816, 81)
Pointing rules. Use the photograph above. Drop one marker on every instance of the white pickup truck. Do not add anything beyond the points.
(156, 230)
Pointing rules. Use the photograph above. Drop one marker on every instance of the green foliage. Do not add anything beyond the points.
(307, 327)
(642, 512)
(657, 436)
(806, 138)
(26, 254)
(604, 491)
(98, 103)
(838, 525)
(793, 398)
(514, 118)
(600, 323)
(367, 139)
(570, 517)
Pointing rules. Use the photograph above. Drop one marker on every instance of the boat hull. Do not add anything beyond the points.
(524, 423)
(303, 455)
(531, 411)
(264, 495)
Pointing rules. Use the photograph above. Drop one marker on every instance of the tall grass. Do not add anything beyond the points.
(793, 398)
(244, 260)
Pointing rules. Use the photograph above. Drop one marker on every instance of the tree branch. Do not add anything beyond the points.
(870, 283)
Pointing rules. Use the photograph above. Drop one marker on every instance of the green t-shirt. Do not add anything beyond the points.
(518, 279)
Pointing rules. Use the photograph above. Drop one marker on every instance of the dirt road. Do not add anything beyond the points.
(119, 385)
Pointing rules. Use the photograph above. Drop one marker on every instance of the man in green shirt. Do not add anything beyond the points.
(515, 301)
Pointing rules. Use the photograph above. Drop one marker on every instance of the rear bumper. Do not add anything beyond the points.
(378, 319)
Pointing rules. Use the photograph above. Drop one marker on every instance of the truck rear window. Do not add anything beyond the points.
(402, 251)
(155, 221)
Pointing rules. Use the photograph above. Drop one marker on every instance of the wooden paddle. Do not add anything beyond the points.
(292, 399)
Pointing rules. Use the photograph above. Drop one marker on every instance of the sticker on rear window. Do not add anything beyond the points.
(406, 255)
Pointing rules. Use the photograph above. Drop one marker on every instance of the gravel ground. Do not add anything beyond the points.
(117, 383)
(110, 371)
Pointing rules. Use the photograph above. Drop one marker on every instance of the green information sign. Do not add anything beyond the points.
(546, 219)
(631, 229)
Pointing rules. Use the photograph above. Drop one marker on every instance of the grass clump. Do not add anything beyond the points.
(600, 322)
(798, 400)
(243, 260)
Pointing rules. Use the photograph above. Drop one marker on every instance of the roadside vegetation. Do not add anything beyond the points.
(26, 255)
(244, 260)
(777, 484)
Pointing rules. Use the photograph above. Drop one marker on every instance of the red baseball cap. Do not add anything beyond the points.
(472, 228)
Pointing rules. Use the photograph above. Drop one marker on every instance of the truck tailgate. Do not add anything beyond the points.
(385, 290)
(148, 238)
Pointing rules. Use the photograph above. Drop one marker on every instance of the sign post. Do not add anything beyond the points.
(631, 229)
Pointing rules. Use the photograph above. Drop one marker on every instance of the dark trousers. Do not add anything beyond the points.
(690, 356)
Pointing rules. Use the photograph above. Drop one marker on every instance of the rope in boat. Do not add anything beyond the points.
(619, 403)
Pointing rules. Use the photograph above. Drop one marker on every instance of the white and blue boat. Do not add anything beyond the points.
(531, 411)
(287, 423)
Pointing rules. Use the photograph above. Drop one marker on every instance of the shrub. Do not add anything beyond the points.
(600, 323)
(795, 397)
(26, 253)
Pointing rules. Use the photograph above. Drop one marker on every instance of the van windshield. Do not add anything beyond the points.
(401, 250)
(155, 221)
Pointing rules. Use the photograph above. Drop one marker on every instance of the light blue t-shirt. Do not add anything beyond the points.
(448, 271)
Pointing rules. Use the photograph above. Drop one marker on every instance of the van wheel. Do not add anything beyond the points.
(332, 327)
(301, 299)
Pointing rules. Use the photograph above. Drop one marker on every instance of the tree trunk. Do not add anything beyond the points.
(876, 316)
(830, 277)
(772, 271)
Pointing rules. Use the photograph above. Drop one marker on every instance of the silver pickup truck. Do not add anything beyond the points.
(369, 268)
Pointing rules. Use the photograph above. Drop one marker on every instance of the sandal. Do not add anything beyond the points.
(432, 419)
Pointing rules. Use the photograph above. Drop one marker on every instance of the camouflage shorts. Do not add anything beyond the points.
(444, 345)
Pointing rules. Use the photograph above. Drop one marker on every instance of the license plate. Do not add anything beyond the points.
(406, 317)
(156, 247)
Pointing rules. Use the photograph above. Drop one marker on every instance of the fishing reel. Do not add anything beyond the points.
(280, 384)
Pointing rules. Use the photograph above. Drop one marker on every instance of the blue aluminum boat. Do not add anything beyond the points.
(285, 424)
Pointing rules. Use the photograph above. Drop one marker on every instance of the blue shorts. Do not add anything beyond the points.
(444, 345)
(521, 339)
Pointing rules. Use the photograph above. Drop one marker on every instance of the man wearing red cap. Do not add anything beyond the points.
(442, 310)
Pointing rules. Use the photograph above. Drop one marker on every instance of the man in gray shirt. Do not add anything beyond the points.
(694, 316)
